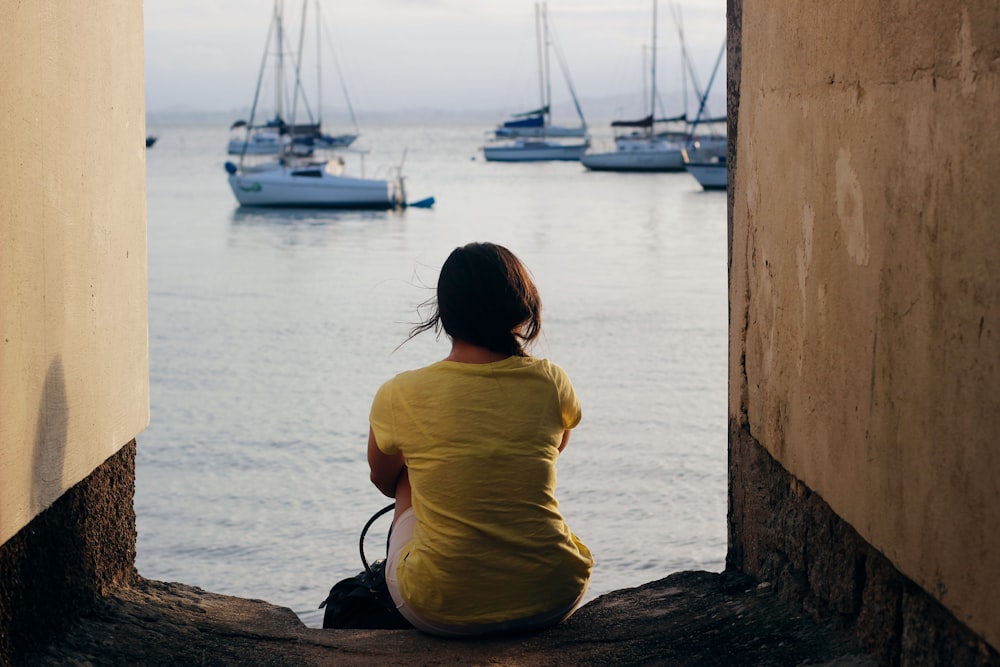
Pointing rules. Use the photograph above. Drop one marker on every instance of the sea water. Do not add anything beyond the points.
(270, 331)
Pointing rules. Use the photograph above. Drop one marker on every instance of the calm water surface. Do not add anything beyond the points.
(271, 330)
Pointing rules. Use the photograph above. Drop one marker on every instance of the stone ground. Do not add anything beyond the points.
(688, 618)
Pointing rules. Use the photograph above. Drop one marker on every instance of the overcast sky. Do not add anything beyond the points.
(455, 55)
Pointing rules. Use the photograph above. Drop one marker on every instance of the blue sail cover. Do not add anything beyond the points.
(642, 122)
(527, 123)
(531, 121)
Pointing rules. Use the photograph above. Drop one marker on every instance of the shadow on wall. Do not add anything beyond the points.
(50, 439)
(80, 548)
(72, 553)
(43, 582)
(51, 542)
(39, 566)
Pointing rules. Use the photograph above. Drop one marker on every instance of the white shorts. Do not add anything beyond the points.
(402, 533)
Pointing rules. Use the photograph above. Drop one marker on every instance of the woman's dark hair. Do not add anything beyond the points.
(485, 296)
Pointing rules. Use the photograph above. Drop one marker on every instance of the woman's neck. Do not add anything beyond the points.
(467, 353)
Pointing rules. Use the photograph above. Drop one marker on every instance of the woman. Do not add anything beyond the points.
(467, 446)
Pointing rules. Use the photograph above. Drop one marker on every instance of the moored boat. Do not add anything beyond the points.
(645, 154)
(534, 150)
(295, 177)
(705, 153)
(531, 136)
(642, 149)
(710, 170)
(311, 183)
(536, 124)
(259, 142)
(276, 136)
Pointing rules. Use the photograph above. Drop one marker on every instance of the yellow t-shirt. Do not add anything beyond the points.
(481, 442)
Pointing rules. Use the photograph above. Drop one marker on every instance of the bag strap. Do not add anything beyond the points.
(364, 531)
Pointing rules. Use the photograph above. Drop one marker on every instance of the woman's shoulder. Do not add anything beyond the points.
(437, 369)
(416, 375)
(544, 366)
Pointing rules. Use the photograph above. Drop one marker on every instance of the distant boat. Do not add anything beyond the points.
(536, 123)
(533, 150)
(531, 136)
(642, 149)
(261, 141)
(276, 135)
(705, 154)
(709, 170)
(646, 153)
(293, 177)
(150, 140)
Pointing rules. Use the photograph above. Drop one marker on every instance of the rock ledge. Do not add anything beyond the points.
(688, 618)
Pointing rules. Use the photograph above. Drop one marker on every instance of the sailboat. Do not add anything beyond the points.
(276, 135)
(642, 149)
(295, 177)
(705, 153)
(530, 136)
(710, 171)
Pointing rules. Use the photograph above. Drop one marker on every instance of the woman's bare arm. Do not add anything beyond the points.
(565, 440)
(385, 468)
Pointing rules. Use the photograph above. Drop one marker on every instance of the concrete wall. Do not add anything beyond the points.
(74, 388)
(865, 273)
(73, 352)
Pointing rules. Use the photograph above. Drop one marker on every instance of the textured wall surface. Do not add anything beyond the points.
(864, 275)
(74, 387)
(74, 363)
(786, 535)
(80, 548)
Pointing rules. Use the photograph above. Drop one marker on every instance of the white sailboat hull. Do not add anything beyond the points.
(534, 132)
(711, 175)
(654, 157)
(707, 163)
(534, 151)
(313, 186)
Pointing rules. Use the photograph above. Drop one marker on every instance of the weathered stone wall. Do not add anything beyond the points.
(77, 550)
(864, 274)
(788, 536)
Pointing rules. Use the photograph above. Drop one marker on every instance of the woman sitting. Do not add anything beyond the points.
(468, 446)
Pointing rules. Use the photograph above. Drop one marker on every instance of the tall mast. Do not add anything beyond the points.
(298, 71)
(548, 72)
(541, 58)
(645, 80)
(319, 70)
(684, 59)
(279, 61)
(652, 83)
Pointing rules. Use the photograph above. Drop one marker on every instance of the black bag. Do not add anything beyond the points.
(363, 601)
